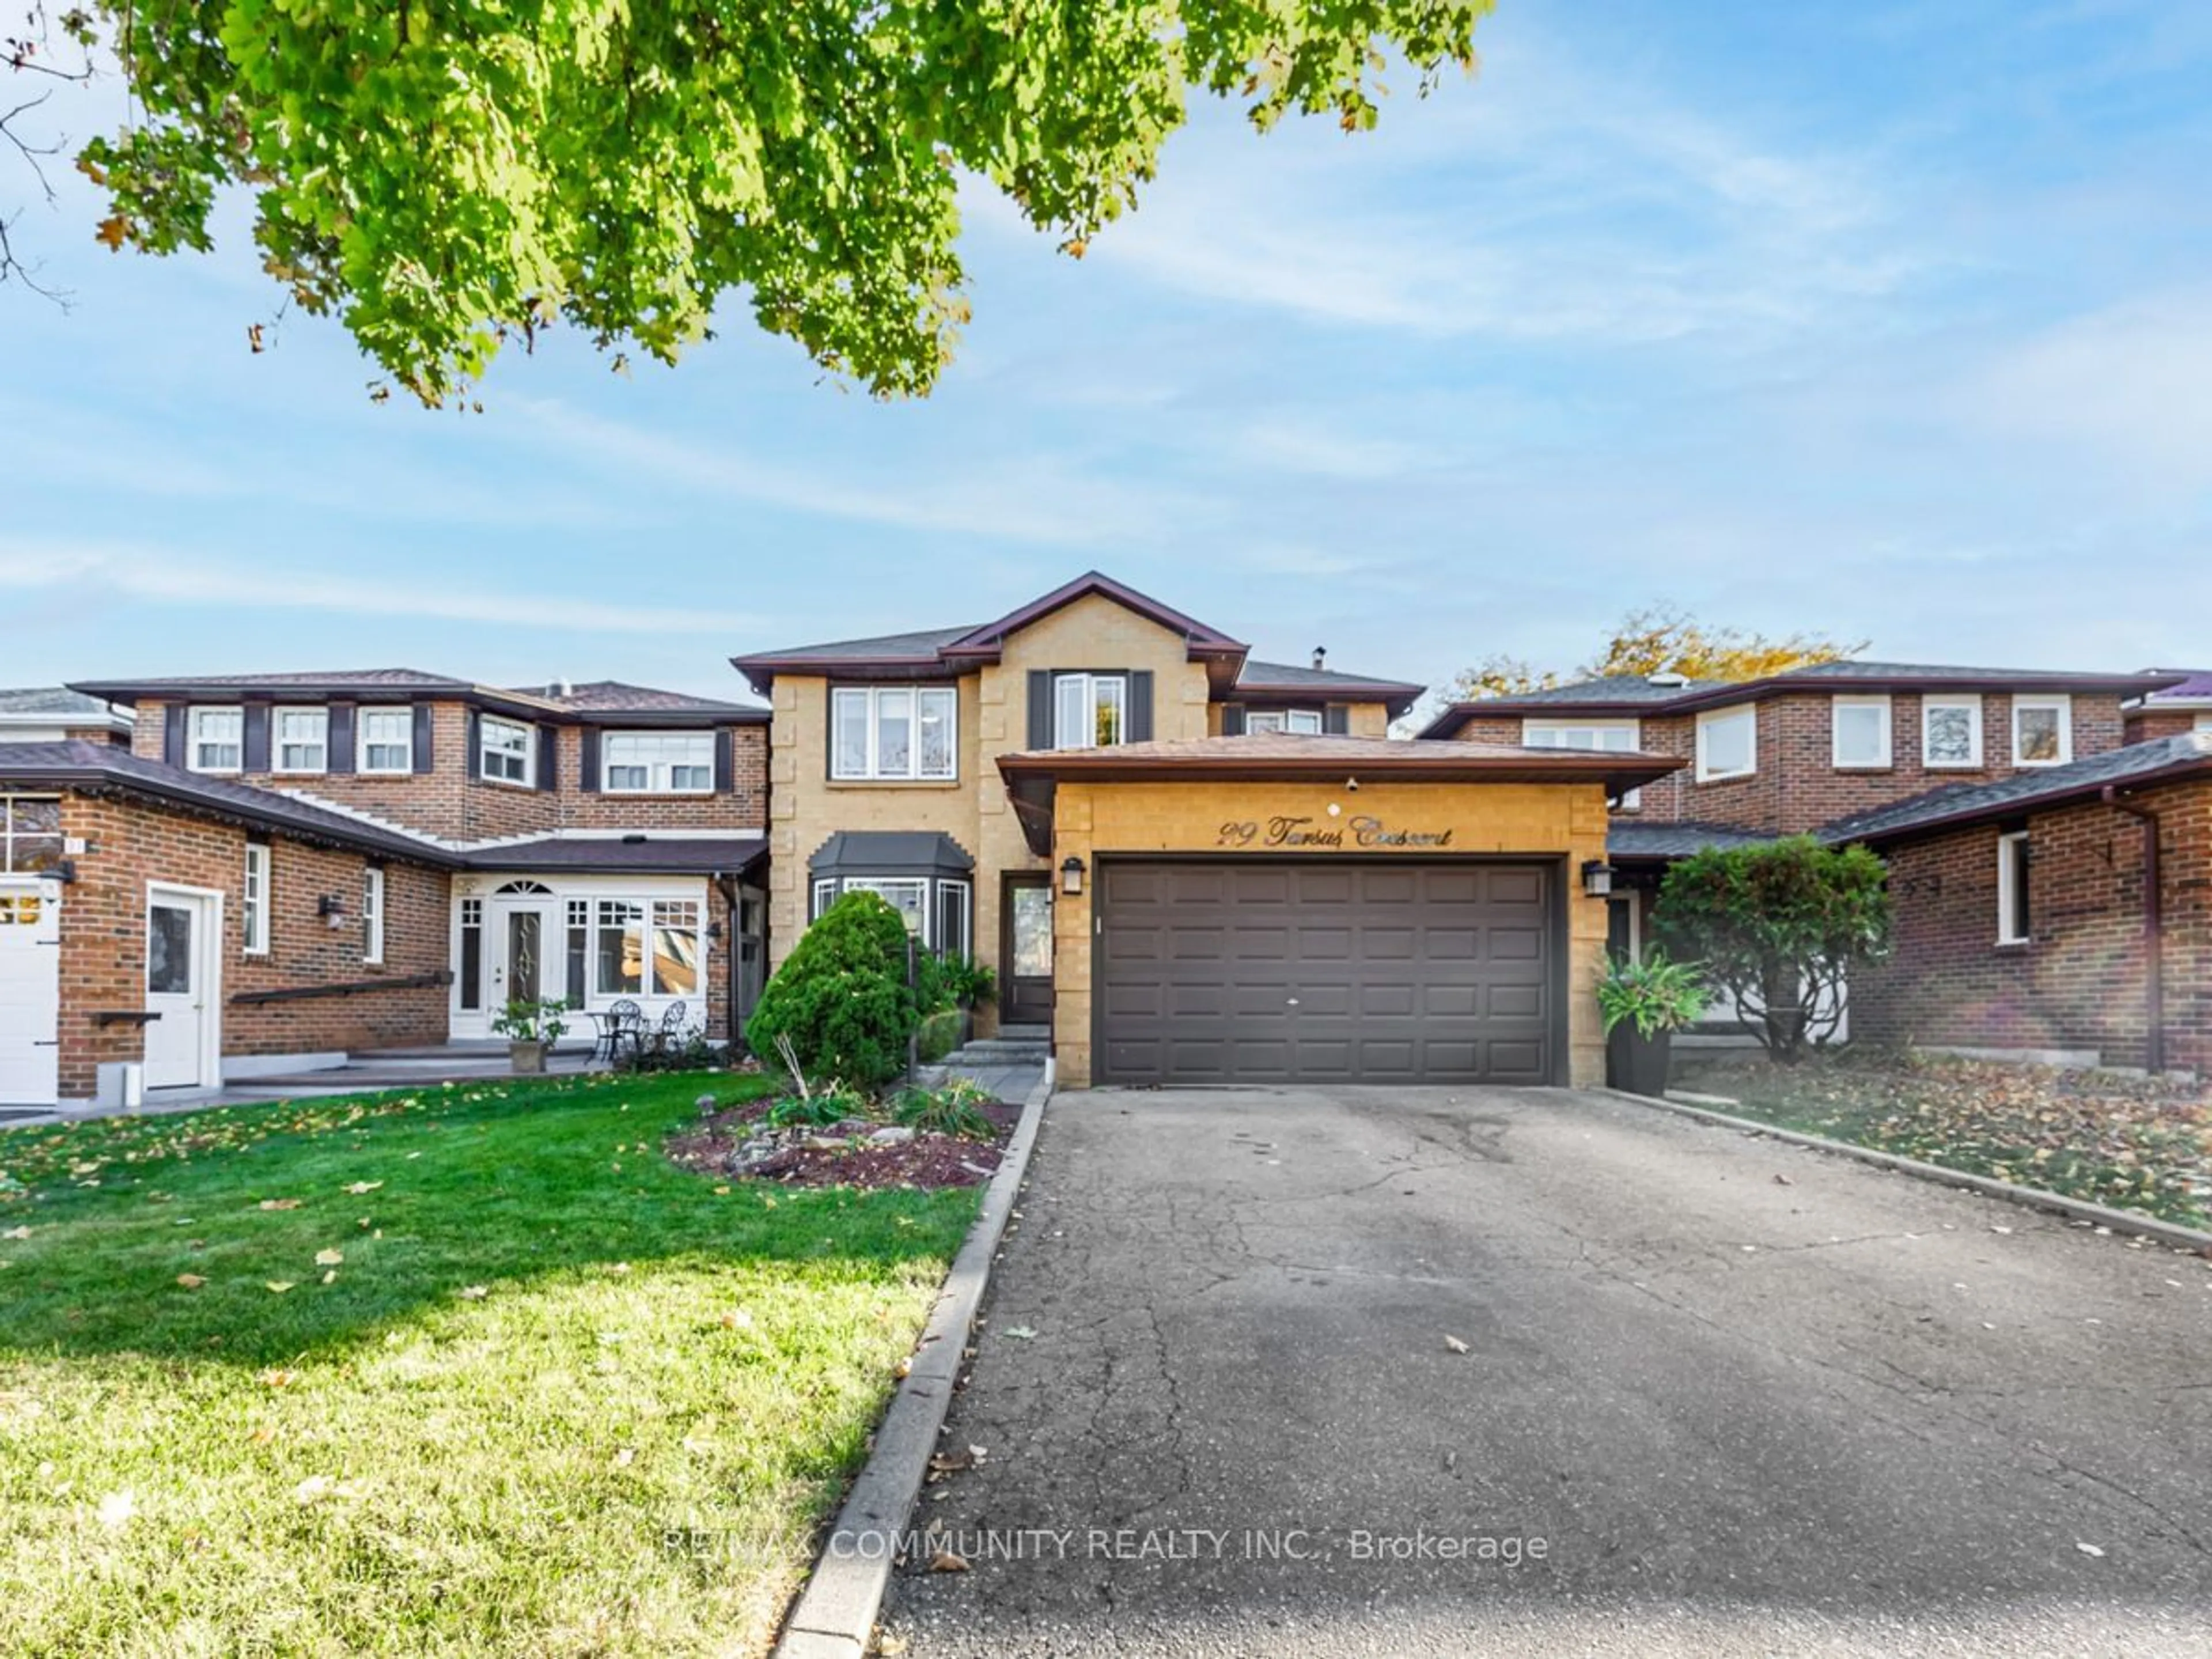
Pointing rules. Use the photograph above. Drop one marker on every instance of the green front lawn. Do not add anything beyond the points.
(2129, 1142)
(462, 1370)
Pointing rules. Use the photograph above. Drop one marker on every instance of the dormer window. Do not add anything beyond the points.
(218, 739)
(1301, 722)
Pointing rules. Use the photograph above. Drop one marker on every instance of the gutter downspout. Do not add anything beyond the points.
(2154, 932)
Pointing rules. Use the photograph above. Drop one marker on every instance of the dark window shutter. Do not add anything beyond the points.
(423, 759)
(257, 736)
(173, 733)
(342, 736)
(549, 756)
(587, 760)
(1232, 720)
(1140, 706)
(1336, 721)
(726, 761)
(475, 744)
(1040, 709)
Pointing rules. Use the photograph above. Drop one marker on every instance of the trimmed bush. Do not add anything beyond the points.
(841, 996)
(940, 1033)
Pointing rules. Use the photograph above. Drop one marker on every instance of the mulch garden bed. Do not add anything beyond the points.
(736, 1142)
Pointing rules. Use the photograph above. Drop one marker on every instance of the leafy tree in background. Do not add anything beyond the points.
(446, 178)
(1663, 639)
(1778, 927)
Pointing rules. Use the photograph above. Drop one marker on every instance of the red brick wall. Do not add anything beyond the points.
(1797, 786)
(449, 803)
(104, 939)
(2079, 982)
(2146, 725)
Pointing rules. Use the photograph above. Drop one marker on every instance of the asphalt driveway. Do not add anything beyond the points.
(1717, 1395)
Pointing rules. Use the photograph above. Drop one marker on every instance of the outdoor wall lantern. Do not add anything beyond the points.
(1597, 879)
(1070, 876)
(332, 910)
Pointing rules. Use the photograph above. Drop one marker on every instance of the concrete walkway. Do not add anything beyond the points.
(1293, 1372)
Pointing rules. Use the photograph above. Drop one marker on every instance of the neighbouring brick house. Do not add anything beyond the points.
(2185, 706)
(2065, 915)
(283, 867)
(54, 713)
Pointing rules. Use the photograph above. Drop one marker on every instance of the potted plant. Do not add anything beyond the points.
(1644, 1004)
(530, 1028)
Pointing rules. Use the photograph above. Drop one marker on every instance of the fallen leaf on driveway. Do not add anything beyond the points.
(947, 1561)
(1019, 1333)
(2089, 1549)
(1781, 1180)
(1455, 1345)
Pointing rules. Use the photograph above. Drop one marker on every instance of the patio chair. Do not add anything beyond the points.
(616, 1021)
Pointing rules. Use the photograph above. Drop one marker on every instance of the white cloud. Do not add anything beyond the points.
(164, 577)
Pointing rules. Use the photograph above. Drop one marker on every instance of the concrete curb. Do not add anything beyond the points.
(2034, 1197)
(835, 1617)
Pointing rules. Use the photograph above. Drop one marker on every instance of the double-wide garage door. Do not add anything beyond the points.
(1325, 971)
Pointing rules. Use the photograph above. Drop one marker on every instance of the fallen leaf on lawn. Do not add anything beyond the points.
(721, 1192)
(472, 1293)
(329, 1258)
(190, 1282)
(1019, 1333)
(617, 1267)
(1455, 1345)
(262, 1435)
(331, 1276)
(947, 1561)
(280, 1204)
(117, 1508)
(278, 1378)
(16, 1233)
(624, 1458)
(277, 1286)
(903, 1368)
(360, 1186)
(2089, 1549)
(313, 1490)
(738, 1319)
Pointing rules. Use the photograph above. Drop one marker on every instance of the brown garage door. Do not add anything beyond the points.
(1325, 972)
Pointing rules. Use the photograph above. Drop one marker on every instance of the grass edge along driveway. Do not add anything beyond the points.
(466, 1370)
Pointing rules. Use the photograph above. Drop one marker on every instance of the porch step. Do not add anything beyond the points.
(1036, 1032)
(1000, 1051)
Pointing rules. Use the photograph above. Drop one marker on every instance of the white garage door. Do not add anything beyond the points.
(30, 991)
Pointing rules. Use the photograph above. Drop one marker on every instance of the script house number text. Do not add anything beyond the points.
(1326, 833)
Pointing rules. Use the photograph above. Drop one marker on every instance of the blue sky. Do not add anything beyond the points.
(1892, 320)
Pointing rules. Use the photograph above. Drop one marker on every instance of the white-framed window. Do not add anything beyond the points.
(303, 739)
(621, 953)
(678, 967)
(505, 750)
(939, 913)
(1616, 736)
(1090, 711)
(825, 895)
(1859, 732)
(648, 949)
(30, 834)
(1727, 742)
(372, 915)
(253, 900)
(895, 733)
(2014, 918)
(2042, 730)
(386, 739)
(215, 740)
(657, 763)
(1299, 722)
(1951, 733)
(954, 902)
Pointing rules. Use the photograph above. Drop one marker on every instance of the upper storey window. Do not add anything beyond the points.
(1951, 733)
(895, 733)
(387, 740)
(503, 751)
(659, 762)
(303, 739)
(1090, 711)
(1861, 733)
(1727, 743)
(1305, 722)
(1614, 737)
(2042, 731)
(218, 740)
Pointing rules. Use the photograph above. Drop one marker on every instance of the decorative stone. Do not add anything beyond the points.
(894, 1135)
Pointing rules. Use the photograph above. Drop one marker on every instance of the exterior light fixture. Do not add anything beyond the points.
(1597, 879)
(332, 910)
(1070, 876)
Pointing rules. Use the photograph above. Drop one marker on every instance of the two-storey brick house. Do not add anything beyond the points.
(283, 867)
(1995, 795)
(1188, 865)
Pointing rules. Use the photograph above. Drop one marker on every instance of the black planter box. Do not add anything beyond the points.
(1638, 1063)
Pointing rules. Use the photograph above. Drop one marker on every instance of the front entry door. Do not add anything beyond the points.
(180, 929)
(1026, 995)
(522, 956)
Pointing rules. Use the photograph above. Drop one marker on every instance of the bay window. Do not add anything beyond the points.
(895, 733)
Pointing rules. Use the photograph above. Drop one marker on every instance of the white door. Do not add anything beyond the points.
(179, 990)
(30, 992)
(525, 960)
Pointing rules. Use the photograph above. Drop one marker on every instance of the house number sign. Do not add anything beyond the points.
(1308, 832)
